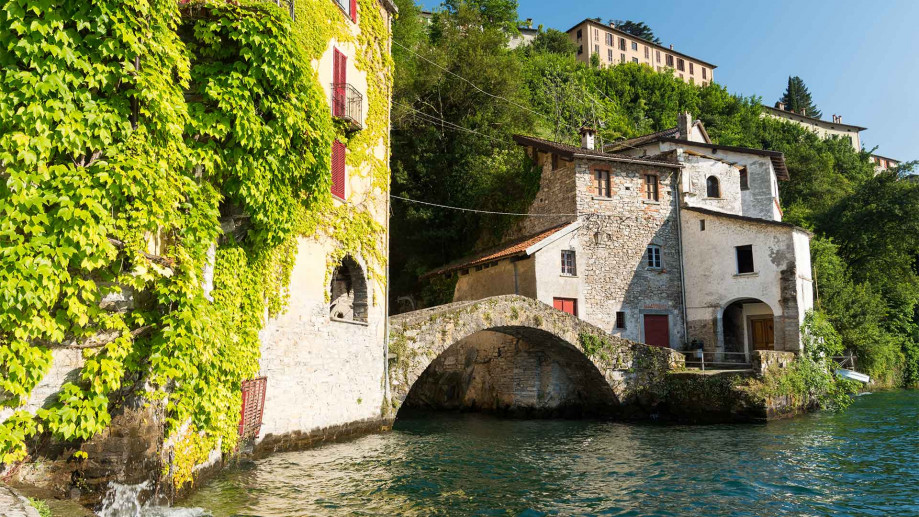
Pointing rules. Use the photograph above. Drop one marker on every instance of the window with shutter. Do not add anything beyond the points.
(253, 406)
(339, 83)
(353, 10)
(338, 169)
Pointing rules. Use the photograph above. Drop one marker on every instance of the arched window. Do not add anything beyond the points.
(712, 187)
(348, 292)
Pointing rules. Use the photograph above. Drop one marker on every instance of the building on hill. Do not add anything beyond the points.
(882, 163)
(823, 128)
(614, 46)
(527, 34)
(666, 239)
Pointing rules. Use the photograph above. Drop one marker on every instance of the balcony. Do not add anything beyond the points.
(347, 104)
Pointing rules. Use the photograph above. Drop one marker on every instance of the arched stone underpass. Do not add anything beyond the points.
(516, 354)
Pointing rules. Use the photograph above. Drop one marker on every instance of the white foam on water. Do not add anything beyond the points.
(125, 501)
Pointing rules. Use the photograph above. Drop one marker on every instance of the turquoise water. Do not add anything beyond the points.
(861, 462)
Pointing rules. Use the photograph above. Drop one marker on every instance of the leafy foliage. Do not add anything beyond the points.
(128, 130)
(798, 99)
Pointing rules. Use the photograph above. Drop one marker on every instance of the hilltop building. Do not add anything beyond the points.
(666, 239)
(823, 128)
(614, 46)
(882, 163)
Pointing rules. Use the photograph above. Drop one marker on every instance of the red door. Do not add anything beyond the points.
(569, 305)
(657, 330)
(339, 79)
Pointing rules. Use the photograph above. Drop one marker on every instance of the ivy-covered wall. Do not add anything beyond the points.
(130, 133)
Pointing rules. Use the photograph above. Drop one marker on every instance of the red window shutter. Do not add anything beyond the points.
(354, 11)
(338, 169)
(339, 78)
(253, 407)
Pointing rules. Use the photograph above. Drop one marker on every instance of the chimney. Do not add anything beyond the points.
(529, 23)
(587, 137)
(671, 46)
(803, 112)
(839, 119)
(780, 106)
(684, 123)
(612, 24)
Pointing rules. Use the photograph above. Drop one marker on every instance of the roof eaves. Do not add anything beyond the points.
(815, 119)
(651, 43)
(552, 238)
(747, 219)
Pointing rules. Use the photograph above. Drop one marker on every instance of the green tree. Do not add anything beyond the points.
(553, 42)
(637, 29)
(797, 98)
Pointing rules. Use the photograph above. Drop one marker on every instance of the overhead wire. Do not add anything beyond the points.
(478, 211)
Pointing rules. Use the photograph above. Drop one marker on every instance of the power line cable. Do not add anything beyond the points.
(477, 211)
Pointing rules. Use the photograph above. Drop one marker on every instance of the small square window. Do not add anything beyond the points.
(654, 257)
(634, 45)
(745, 259)
(569, 267)
(620, 320)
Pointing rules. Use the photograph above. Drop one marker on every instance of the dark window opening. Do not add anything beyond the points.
(745, 259)
(554, 161)
(744, 179)
(579, 33)
(568, 263)
(713, 189)
(348, 292)
(702, 225)
(620, 320)
(580, 49)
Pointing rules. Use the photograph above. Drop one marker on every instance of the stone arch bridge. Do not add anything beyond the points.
(627, 375)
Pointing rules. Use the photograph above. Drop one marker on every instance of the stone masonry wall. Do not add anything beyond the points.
(615, 236)
(556, 196)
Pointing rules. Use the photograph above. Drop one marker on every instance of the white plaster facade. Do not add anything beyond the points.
(822, 128)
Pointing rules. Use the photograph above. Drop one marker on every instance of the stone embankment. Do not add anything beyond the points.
(14, 505)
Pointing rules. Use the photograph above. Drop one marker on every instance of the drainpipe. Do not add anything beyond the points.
(679, 226)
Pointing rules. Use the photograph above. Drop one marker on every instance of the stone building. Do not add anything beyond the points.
(324, 358)
(614, 46)
(665, 239)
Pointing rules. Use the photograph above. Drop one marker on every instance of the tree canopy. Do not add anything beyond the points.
(637, 29)
(797, 98)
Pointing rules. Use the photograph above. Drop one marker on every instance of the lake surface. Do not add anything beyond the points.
(864, 461)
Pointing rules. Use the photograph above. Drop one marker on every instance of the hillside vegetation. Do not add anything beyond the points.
(460, 94)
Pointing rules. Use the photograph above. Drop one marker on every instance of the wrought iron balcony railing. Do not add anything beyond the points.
(347, 104)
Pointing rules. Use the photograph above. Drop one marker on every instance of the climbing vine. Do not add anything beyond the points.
(130, 134)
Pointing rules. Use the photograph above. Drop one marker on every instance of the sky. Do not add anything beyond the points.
(858, 59)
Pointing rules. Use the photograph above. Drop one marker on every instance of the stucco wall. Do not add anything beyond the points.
(822, 128)
(712, 281)
(550, 283)
(321, 373)
(506, 277)
(556, 195)
(615, 237)
(696, 172)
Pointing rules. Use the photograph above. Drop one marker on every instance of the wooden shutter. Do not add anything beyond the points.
(338, 169)
(253, 407)
(339, 79)
(354, 11)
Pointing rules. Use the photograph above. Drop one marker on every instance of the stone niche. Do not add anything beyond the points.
(491, 372)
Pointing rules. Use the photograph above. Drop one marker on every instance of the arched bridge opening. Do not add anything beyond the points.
(516, 355)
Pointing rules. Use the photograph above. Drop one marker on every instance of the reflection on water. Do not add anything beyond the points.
(863, 461)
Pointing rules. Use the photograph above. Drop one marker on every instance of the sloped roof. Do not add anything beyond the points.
(569, 152)
(505, 250)
(744, 218)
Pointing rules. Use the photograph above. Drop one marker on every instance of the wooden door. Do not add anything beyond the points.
(657, 330)
(569, 305)
(763, 334)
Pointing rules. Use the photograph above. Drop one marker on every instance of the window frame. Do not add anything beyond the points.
(635, 46)
(746, 248)
(602, 182)
(744, 178)
(669, 60)
(654, 257)
(569, 262)
(708, 187)
(647, 184)
(620, 321)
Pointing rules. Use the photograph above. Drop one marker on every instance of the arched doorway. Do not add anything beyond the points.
(348, 292)
(747, 324)
(531, 373)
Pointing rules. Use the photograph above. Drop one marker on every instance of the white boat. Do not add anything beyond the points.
(852, 375)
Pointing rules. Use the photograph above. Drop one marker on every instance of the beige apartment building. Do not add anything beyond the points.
(614, 46)
(823, 128)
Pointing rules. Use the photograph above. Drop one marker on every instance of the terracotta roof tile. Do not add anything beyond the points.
(502, 251)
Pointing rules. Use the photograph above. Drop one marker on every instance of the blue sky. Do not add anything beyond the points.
(859, 59)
